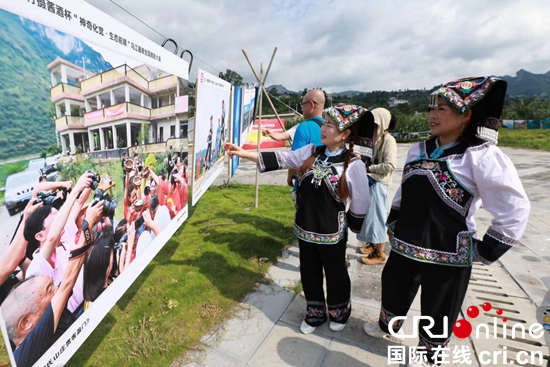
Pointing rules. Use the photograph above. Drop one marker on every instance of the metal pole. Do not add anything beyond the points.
(259, 137)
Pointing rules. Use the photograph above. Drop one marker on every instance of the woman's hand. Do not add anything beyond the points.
(233, 149)
(83, 182)
(147, 218)
(30, 208)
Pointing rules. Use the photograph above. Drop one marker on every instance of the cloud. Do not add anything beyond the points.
(343, 45)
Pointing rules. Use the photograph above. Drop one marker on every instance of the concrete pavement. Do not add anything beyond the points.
(265, 330)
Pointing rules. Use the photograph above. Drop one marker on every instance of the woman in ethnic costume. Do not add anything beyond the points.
(433, 234)
(328, 176)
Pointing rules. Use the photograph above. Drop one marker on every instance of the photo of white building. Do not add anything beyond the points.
(117, 108)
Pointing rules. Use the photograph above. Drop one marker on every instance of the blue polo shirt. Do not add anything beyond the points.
(308, 132)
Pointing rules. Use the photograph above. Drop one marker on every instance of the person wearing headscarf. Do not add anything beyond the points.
(372, 237)
(433, 234)
(328, 176)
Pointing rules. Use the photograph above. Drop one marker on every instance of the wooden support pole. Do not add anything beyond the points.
(259, 139)
(261, 80)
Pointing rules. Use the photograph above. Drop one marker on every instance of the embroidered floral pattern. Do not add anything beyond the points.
(386, 316)
(315, 313)
(501, 238)
(446, 186)
(423, 342)
(346, 116)
(261, 163)
(324, 171)
(460, 258)
(323, 238)
(340, 313)
(462, 94)
(327, 172)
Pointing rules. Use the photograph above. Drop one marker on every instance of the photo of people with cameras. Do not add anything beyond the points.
(91, 189)
(74, 240)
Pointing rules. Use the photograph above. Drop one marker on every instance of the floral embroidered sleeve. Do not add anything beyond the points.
(272, 161)
(358, 185)
(503, 196)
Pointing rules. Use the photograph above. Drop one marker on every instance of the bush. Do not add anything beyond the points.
(53, 150)
(72, 170)
(161, 163)
(151, 161)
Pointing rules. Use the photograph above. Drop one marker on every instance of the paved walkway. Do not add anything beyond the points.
(265, 332)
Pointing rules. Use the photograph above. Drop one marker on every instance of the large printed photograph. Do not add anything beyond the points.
(111, 184)
(249, 111)
(211, 130)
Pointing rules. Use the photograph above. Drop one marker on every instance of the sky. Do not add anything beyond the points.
(350, 45)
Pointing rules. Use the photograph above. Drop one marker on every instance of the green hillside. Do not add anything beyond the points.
(26, 113)
(25, 126)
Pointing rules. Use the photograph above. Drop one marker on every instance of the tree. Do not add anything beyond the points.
(233, 77)
(54, 149)
(143, 135)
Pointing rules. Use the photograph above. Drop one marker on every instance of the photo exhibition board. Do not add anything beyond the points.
(210, 131)
(83, 58)
(249, 112)
(251, 142)
(237, 113)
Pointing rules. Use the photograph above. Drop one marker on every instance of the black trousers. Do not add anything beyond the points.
(443, 291)
(208, 155)
(314, 259)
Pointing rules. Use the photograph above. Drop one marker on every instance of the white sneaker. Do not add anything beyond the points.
(334, 326)
(373, 329)
(307, 329)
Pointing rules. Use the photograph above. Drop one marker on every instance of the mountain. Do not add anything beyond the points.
(524, 84)
(528, 84)
(279, 89)
(26, 112)
(348, 93)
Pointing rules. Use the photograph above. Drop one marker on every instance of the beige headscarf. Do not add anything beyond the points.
(382, 118)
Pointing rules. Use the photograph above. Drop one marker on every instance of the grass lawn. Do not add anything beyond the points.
(196, 280)
(530, 139)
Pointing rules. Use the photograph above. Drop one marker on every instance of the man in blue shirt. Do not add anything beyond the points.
(308, 131)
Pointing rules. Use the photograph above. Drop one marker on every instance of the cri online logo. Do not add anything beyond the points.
(463, 328)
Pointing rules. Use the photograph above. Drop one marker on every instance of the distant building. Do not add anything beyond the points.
(394, 102)
(107, 111)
